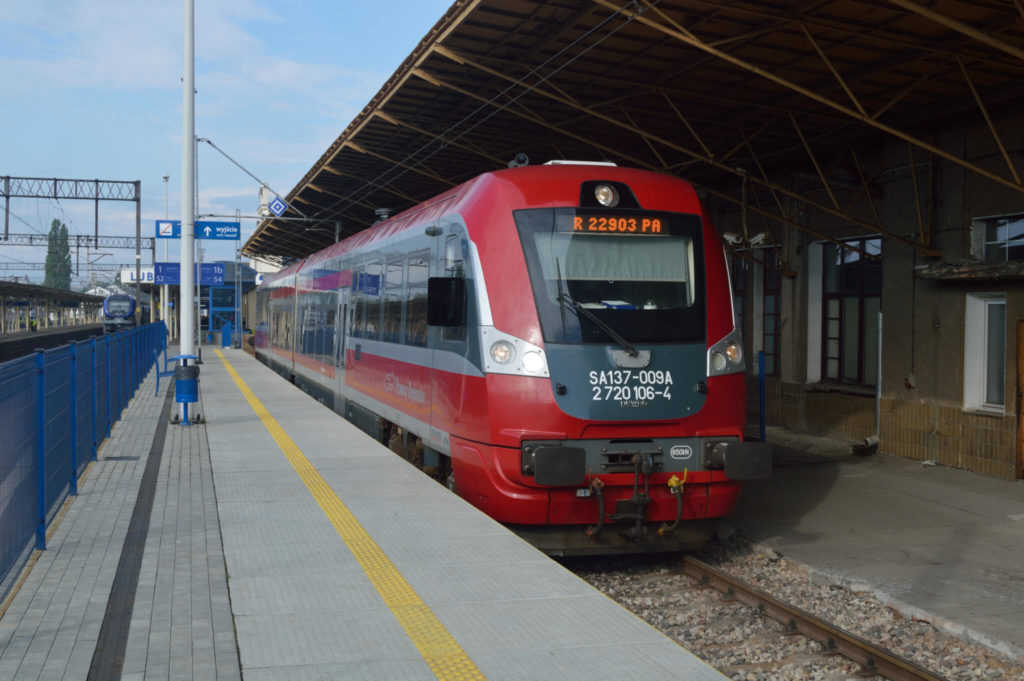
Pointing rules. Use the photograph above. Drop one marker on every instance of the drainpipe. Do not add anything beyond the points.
(878, 388)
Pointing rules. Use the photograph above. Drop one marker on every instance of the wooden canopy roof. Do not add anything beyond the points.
(753, 101)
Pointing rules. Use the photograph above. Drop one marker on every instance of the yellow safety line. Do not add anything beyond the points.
(439, 649)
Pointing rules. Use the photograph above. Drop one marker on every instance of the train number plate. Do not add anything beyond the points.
(631, 387)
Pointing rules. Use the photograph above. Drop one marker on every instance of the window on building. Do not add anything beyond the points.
(851, 301)
(1001, 238)
(985, 352)
(222, 297)
(771, 326)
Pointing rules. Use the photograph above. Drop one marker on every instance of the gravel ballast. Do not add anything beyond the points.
(746, 646)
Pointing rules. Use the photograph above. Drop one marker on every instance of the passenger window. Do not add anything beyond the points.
(416, 300)
(356, 327)
(392, 331)
(329, 331)
(453, 267)
(366, 283)
(371, 291)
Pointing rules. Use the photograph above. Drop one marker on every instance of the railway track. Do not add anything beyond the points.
(873, 659)
(756, 616)
(15, 345)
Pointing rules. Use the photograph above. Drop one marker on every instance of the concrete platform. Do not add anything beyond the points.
(944, 544)
(276, 541)
(282, 543)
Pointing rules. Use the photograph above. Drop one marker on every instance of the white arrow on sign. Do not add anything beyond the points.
(207, 231)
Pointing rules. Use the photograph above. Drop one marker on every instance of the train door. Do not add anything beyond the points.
(341, 330)
(448, 344)
(438, 439)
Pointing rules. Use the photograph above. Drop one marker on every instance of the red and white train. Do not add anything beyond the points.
(555, 342)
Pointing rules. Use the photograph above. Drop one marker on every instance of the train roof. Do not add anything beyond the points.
(452, 200)
(292, 268)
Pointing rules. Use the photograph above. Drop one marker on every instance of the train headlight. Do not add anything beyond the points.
(606, 195)
(502, 352)
(734, 352)
(533, 362)
(512, 356)
(726, 356)
(718, 362)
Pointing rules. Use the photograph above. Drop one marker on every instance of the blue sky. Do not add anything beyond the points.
(92, 89)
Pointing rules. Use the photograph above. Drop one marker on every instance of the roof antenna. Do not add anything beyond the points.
(519, 161)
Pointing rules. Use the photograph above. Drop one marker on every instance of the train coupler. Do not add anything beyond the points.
(675, 486)
(596, 486)
(635, 508)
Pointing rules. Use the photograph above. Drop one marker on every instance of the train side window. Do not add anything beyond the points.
(416, 299)
(356, 330)
(327, 303)
(371, 294)
(392, 322)
(453, 261)
(454, 266)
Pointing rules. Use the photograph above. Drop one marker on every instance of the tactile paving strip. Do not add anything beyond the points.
(438, 648)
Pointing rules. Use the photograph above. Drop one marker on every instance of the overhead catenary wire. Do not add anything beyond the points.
(442, 140)
(246, 171)
(25, 222)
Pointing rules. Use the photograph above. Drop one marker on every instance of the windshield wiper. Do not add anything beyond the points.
(565, 300)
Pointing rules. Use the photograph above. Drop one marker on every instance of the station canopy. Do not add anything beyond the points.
(13, 293)
(760, 104)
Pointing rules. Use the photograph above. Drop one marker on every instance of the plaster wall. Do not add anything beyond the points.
(920, 413)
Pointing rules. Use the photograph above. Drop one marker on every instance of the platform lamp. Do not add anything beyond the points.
(164, 288)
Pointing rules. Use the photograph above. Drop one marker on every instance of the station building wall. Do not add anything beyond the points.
(943, 349)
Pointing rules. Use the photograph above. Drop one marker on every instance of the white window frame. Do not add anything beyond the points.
(979, 234)
(976, 311)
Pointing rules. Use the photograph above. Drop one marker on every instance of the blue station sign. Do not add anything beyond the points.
(218, 230)
(204, 229)
(168, 229)
(210, 274)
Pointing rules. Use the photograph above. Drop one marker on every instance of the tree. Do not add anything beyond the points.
(51, 255)
(64, 251)
(58, 257)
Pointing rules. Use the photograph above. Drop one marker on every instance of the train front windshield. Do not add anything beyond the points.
(615, 276)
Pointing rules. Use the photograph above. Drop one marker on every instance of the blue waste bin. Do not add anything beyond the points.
(186, 384)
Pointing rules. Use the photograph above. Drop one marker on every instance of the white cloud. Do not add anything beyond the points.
(110, 44)
(91, 44)
(92, 88)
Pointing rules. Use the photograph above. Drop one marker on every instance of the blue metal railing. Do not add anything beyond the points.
(56, 407)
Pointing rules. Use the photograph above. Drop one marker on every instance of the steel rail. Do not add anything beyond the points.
(872, 658)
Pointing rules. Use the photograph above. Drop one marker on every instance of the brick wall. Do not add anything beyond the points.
(831, 414)
(948, 435)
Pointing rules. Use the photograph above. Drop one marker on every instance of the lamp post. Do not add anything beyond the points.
(188, 135)
(164, 289)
